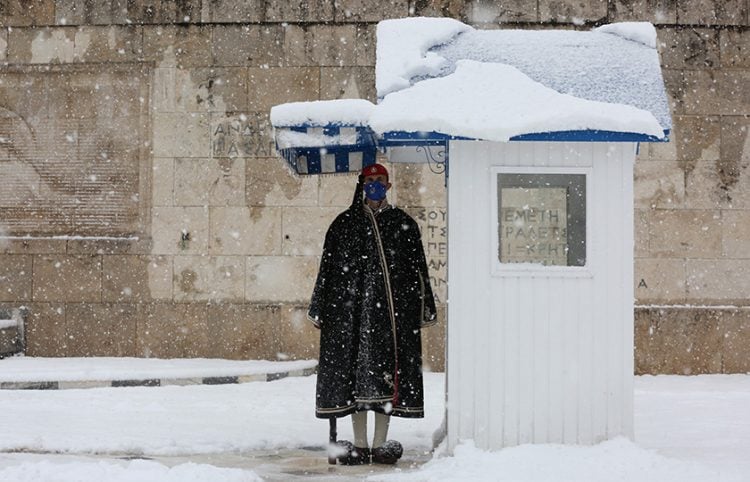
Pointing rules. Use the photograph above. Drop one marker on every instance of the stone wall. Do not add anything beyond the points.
(159, 222)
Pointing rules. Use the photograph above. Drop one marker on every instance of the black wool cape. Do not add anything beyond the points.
(371, 299)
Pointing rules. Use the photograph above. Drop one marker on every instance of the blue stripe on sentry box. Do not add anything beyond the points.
(343, 161)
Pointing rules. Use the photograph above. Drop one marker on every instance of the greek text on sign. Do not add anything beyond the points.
(533, 225)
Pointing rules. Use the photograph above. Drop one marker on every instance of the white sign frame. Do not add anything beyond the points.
(499, 269)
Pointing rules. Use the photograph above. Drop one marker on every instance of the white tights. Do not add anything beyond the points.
(359, 426)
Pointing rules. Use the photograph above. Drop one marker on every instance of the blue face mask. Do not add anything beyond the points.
(375, 191)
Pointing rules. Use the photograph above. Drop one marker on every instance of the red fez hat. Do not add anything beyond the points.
(375, 170)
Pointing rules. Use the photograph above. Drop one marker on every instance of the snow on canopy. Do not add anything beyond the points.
(440, 75)
(402, 53)
(347, 112)
(510, 104)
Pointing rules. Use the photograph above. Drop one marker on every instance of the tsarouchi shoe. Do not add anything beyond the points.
(388, 453)
(352, 455)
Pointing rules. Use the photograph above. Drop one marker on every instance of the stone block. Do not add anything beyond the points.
(304, 230)
(735, 48)
(701, 92)
(32, 246)
(677, 341)
(500, 11)
(45, 330)
(366, 44)
(179, 230)
(243, 331)
(181, 135)
(685, 233)
(659, 185)
(641, 217)
(718, 281)
(46, 45)
(458, 9)
(214, 182)
(15, 277)
(337, 191)
(309, 11)
(697, 138)
(112, 101)
(675, 85)
(573, 11)
(233, 11)
(248, 45)
(437, 267)
(126, 245)
(245, 231)
(688, 48)
(162, 177)
(709, 185)
(22, 13)
(3, 44)
(136, 279)
(332, 45)
(269, 182)
(348, 83)
(712, 12)
(242, 135)
(735, 140)
(417, 185)
(364, 11)
(67, 278)
(735, 327)
(736, 227)
(163, 11)
(733, 90)
(174, 330)
(433, 344)
(180, 46)
(204, 278)
(200, 89)
(271, 86)
(280, 279)
(654, 11)
(298, 338)
(659, 281)
(295, 46)
(101, 329)
(658, 151)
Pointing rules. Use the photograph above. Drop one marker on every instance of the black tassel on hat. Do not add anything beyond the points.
(359, 192)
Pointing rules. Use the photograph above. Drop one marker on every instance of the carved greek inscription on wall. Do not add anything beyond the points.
(433, 222)
(533, 226)
(243, 135)
(71, 146)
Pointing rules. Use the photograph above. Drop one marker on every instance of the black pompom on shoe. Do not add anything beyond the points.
(351, 455)
(388, 453)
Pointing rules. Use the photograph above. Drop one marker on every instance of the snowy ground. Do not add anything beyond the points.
(687, 429)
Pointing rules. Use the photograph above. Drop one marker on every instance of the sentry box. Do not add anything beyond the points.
(537, 133)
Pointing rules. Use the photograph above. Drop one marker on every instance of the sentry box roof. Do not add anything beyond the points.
(440, 79)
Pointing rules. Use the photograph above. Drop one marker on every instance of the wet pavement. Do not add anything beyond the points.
(307, 464)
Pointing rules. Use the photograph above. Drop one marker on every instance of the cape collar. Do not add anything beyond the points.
(384, 206)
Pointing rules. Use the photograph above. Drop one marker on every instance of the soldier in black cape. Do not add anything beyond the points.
(371, 299)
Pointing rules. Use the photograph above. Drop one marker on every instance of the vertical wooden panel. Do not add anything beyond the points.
(541, 361)
(556, 362)
(600, 295)
(628, 296)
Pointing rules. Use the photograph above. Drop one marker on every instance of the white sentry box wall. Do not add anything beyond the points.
(542, 355)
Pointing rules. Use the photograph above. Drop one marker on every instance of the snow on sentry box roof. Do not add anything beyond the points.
(502, 84)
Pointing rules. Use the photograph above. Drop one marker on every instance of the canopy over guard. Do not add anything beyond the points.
(439, 79)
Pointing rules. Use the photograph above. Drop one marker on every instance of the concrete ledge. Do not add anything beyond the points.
(273, 371)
